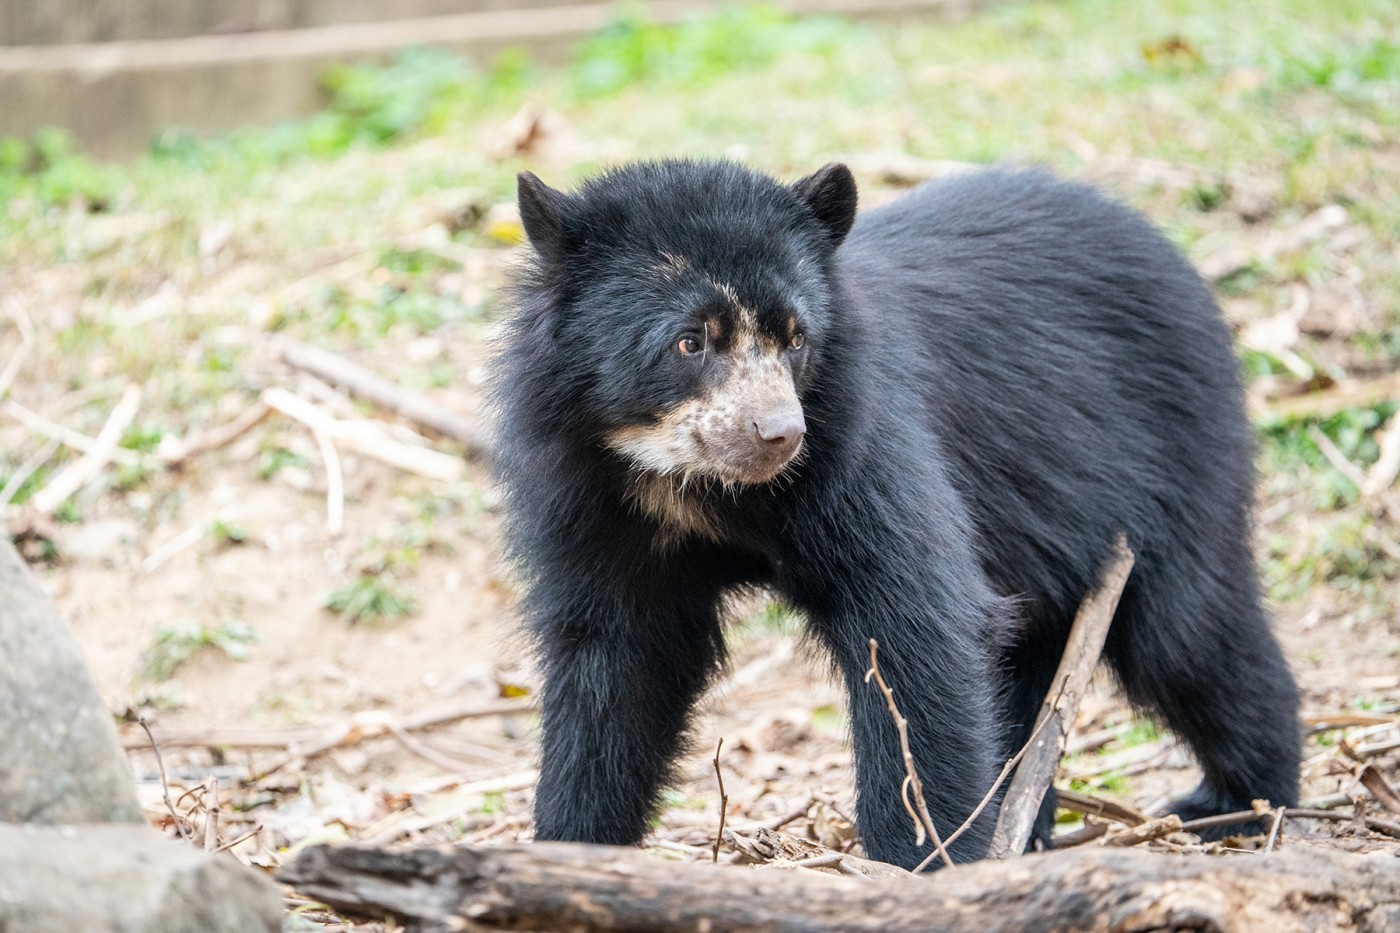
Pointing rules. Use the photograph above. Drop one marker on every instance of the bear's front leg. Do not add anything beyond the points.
(902, 573)
(620, 678)
(945, 691)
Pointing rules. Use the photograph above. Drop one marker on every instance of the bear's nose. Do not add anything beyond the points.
(780, 433)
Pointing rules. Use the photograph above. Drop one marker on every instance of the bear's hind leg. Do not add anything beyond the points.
(1195, 648)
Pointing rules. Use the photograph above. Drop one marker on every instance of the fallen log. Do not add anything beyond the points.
(554, 886)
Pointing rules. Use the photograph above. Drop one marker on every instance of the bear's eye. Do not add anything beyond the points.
(797, 340)
(688, 346)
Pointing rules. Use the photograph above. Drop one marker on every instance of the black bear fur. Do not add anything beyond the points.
(996, 374)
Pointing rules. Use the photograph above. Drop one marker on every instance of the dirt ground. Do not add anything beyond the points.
(200, 591)
(332, 709)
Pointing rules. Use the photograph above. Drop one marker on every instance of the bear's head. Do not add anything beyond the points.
(680, 309)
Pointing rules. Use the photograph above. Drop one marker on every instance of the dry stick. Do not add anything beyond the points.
(66, 436)
(26, 337)
(1387, 465)
(362, 727)
(177, 452)
(1316, 226)
(1081, 656)
(723, 799)
(211, 813)
(922, 821)
(1294, 813)
(185, 539)
(164, 784)
(427, 752)
(26, 469)
(366, 438)
(782, 821)
(358, 729)
(445, 808)
(236, 840)
(986, 798)
(1090, 831)
(1089, 805)
(364, 384)
(1335, 457)
(1274, 830)
(335, 483)
(78, 474)
(1152, 829)
(1357, 394)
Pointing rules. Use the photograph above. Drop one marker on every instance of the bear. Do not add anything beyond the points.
(926, 425)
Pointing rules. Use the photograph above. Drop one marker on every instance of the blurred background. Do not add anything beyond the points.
(297, 577)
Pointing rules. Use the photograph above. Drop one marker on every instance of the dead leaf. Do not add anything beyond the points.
(1371, 778)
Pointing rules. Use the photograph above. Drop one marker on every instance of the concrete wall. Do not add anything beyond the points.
(117, 72)
(54, 22)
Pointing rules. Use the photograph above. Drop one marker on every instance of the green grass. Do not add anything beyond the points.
(375, 597)
(173, 645)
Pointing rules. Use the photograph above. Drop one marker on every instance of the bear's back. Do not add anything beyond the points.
(1066, 320)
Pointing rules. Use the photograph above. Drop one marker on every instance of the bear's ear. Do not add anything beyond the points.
(830, 194)
(542, 215)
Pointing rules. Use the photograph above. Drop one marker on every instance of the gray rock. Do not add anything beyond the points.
(60, 761)
(119, 878)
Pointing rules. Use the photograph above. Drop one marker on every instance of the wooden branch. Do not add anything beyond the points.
(65, 436)
(444, 808)
(558, 886)
(1144, 832)
(1313, 228)
(769, 847)
(723, 801)
(26, 337)
(1089, 805)
(361, 383)
(90, 465)
(176, 452)
(358, 728)
(1387, 466)
(1081, 656)
(366, 438)
(1351, 394)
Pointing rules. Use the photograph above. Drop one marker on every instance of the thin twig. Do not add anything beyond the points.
(185, 539)
(425, 751)
(1335, 457)
(723, 799)
(922, 821)
(26, 469)
(176, 452)
(364, 384)
(1136, 835)
(1274, 830)
(85, 469)
(991, 792)
(1387, 466)
(335, 483)
(164, 784)
(782, 821)
(224, 847)
(825, 860)
(366, 438)
(65, 436)
(26, 337)
(211, 813)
